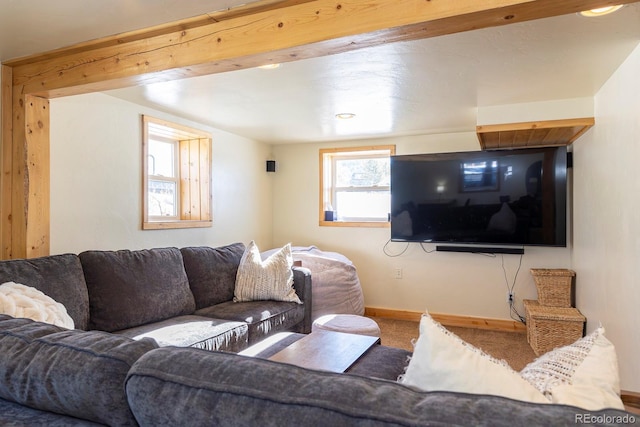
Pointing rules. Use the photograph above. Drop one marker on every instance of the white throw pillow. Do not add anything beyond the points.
(18, 300)
(443, 361)
(271, 279)
(582, 374)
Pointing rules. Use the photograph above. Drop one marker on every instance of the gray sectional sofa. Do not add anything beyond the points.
(51, 376)
(180, 297)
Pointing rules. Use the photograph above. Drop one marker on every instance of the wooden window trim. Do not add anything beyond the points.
(324, 192)
(194, 176)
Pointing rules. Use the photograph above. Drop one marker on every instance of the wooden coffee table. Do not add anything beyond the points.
(326, 350)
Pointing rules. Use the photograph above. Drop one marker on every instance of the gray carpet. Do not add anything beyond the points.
(509, 346)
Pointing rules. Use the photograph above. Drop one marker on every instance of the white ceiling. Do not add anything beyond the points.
(429, 86)
(34, 26)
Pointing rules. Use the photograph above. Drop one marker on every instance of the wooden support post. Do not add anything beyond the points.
(6, 137)
(30, 177)
(37, 191)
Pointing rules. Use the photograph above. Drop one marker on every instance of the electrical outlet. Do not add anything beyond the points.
(398, 273)
(511, 297)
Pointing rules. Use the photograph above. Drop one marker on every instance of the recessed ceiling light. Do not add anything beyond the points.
(269, 66)
(600, 11)
(345, 116)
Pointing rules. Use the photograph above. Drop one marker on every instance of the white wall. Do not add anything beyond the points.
(96, 181)
(451, 283)
(606, 254)
(557, 109)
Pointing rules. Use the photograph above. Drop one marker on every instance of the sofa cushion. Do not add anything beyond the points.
(131, 288)
(224, 389)
(263, 317)
(271, 279)
(212, 272)
(382, 362)
(58, 276)
(14, 414)
(194, 331)
(70, 372)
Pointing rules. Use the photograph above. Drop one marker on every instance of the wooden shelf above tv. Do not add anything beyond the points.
(548, 133)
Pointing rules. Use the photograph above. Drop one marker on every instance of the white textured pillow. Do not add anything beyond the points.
(271, 279)
(582, 374)
(18, 300)
(443, 361)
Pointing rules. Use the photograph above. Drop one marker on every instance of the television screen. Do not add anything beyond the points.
(509, 197)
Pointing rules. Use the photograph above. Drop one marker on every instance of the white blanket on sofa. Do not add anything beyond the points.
(18, 300)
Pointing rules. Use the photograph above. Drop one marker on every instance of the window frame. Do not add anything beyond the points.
(328, 158)
(175, 179)
(193, 170)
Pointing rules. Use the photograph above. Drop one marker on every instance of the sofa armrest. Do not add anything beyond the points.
(302, 286)
(169, 385)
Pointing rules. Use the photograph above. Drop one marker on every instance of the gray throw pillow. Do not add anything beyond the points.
(212, 272)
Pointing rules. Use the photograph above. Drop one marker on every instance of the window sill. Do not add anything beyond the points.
(371, 224)
(166, 225)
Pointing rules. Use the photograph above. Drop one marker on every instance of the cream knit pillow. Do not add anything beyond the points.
(18, 300)
(271, 279)
(583, 374)
(441, 361)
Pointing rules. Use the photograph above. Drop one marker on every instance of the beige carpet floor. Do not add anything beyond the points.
(509, 346)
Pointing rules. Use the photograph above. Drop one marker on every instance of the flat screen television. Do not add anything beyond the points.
(505, 197)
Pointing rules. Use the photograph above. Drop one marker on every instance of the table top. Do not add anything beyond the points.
(326, 350)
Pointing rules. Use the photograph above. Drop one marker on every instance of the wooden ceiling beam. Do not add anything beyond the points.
(262, 32)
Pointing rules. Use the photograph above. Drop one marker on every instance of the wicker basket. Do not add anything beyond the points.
(555, 286)
(551, 327)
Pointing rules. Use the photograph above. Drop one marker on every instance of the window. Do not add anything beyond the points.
(177, 176)
(354, 186)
